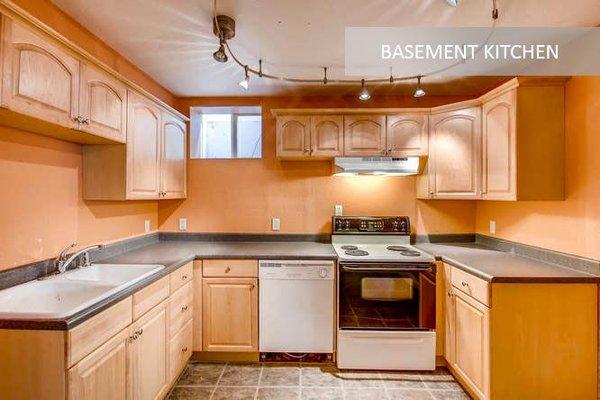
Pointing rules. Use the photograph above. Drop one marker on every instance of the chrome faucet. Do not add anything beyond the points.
(62, 264)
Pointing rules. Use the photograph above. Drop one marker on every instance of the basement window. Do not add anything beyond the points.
(225, 132)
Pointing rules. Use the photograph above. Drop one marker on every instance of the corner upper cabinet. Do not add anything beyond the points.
(144, 130)
(407, 135)
(364, 135)
(293, 136)
(453, 169)
(103, 104)
(173, 158)
(523, 141)
(40, 78)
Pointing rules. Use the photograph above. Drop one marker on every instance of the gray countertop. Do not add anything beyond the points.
(502, 267)
(484, 262)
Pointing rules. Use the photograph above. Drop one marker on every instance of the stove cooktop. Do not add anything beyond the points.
(369, 252)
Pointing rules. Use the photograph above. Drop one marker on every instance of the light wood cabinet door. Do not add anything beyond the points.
(364, 135)
(40, 78)
(293, 136)
(148, 354)
(471, 342)
(103, 104)
(230, 314)
(449, 311)
(407, 135)
(143, 148)
(102, 375)
(173, 158)
(499, 147)
(454, 156)
(326, 135)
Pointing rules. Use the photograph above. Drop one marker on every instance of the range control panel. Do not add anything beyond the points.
(371, 225)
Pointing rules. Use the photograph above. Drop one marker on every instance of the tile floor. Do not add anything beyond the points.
(232, 381)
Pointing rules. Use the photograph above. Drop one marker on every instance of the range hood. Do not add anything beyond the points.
(390, 166)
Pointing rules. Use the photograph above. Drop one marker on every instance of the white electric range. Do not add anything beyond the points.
(386, 296)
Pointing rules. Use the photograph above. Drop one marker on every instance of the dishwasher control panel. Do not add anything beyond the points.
(296, 269)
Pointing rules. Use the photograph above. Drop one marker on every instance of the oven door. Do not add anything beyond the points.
(388, 297)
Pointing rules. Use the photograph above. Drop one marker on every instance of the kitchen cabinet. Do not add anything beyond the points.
(326, 135)
(523, 141)
(230, 314)
(148, 355)
(364, 135)
(293, 136)
(407, 134)
(102, 375)
(102, 104)
(40, 78)
(125, 352)
(501, 337)
(453, 169)
(152, 165)
(173, 158)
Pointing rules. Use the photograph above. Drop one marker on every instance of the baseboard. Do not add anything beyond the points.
(225, 356)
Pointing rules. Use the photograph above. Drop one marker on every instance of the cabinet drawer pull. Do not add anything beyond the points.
(227, 270)
(185, 349)
(465, 284)
(184, 308)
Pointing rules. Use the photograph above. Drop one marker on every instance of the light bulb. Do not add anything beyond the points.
(245, 83)
(452, 3)
(364, 94)
(419, 92)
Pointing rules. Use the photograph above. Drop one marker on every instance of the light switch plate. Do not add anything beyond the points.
(275, 224)
(147, 225)
(338, 210)
(492, 226)
(182, 224)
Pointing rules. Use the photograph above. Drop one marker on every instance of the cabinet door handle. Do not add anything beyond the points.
(465, 284)
(252, 287)
(305, 150)
(311, 151)
(185, 349)
(449, 294)
(184, 308)
(227, 270)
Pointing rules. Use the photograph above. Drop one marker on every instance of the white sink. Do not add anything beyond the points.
(64, 295)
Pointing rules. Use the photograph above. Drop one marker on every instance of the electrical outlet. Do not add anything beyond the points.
(275, 224)
(492, 226)
(338, 210)
(182, 224)
(147, 226)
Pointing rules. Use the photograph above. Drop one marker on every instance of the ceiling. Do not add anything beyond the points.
(172, 40)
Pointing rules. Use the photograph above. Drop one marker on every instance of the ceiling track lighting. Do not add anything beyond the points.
(419, 92)
(224, 29)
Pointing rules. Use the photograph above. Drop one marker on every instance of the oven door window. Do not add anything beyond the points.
(385, 300)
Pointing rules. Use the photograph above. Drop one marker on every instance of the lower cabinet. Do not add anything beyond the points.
(147, 352)
(230, 314)
(506, 341)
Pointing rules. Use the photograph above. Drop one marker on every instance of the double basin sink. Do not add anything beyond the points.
(64, 295)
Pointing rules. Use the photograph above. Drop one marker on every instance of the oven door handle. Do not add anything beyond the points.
(392, 269)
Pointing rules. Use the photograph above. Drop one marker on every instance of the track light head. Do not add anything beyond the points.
(220, 54)
(453, 3)
(245, 83)
(419, 92)
(364, 94)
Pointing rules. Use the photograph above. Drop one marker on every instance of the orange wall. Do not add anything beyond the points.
(243, 195)
(55, 18)
(42, 208)
(571, 226)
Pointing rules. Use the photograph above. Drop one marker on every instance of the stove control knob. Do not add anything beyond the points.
(323, 273)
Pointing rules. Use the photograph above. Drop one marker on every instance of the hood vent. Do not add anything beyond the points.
(390, 166)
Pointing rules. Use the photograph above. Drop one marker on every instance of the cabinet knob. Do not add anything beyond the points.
(306, 150)
(184, 277)
(184, 308)
(449, 294)
(464, 284)
(252, 287)
(311, 151)
(185, 349)
(227, 270)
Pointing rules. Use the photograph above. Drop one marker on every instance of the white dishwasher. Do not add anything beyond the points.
(296, 306)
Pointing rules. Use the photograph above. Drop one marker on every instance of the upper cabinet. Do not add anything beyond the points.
(293, 136)
(454, 166)
(40, 78)
(326, 135)
(408, 134)
(173, 158)
(51, 88)
(103, 104)
(364, 135)
(152, 165)
(303, 136)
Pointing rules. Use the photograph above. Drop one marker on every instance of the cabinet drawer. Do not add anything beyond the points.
(180, 308)
(182, 276)
(150, 296)
(85, 338)
(180, 350)
(471, 285)
(234, 268)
